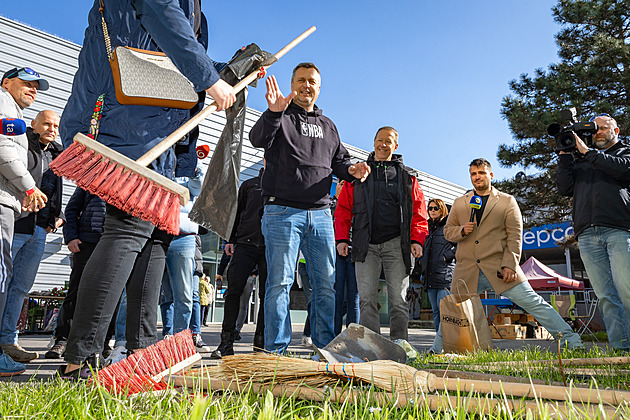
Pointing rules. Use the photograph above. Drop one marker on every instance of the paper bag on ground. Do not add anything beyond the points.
(464, 325)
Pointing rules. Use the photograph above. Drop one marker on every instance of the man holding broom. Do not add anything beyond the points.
(17, 187)
(302, 151)
(131, 251)
(489, 250)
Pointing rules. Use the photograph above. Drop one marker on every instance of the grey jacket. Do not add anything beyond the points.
(15, 179)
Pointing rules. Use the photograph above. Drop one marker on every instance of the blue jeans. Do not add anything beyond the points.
(524, 296)
(435, 296)
(121, 321)
(606, 256)
(195, 317)
(27, 251)
(345, 291)
(177, 284)
(287, 230)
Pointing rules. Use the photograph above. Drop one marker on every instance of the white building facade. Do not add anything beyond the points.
(56, 60)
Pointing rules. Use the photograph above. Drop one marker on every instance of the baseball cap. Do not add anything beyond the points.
(28, 74)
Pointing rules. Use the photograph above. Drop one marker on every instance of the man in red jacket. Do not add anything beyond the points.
(389, 223)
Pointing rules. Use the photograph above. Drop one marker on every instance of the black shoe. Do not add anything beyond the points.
(259, 342)
(226, 348)
(237, 335)
(57, 350)
(81, 374)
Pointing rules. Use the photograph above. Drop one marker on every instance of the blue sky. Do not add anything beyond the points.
(436, 71)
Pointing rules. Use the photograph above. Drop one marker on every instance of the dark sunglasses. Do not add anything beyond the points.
(436, 208)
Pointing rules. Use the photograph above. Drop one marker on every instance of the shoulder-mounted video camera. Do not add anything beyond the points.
(563, 133)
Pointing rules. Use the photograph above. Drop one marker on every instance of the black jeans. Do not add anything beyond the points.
(243, 262)
(66, 313)
(131, 253)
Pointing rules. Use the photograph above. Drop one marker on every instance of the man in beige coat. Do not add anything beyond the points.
(489, 250)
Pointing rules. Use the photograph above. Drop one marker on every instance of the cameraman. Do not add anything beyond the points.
(598, 180)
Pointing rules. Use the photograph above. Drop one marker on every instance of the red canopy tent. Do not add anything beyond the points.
(542, 277)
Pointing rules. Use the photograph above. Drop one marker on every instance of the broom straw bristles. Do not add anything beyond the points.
(266, 368)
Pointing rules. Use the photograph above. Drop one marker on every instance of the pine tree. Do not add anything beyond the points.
(593, 75)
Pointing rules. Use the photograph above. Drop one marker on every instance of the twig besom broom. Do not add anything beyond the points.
(129, 185)
(392, 376)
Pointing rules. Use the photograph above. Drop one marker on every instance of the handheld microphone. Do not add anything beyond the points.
(12, 126)
(475, 204)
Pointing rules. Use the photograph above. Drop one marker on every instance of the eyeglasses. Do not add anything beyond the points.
(600, 115)
(432, 208)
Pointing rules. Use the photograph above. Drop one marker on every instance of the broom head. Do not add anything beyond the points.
(122, 182)
(143, 371)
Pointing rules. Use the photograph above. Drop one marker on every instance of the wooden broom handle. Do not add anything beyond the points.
(189, 125)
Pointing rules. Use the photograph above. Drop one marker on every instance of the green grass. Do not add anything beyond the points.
(65, 400)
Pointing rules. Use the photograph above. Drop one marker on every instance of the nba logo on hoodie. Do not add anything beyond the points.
(312, 130)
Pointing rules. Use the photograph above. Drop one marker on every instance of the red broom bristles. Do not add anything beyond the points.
(127, 187)
(119, 186)
(134, 199)
(135, 373)
(104, 175)
(104, 188)
(68, 155)
(94, 173)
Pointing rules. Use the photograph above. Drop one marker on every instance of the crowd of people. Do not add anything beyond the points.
(377, 225)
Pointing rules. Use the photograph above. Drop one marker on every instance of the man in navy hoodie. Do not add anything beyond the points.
(302, 151)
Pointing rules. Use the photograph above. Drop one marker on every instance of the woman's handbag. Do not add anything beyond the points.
(464, 324)
(144, 77)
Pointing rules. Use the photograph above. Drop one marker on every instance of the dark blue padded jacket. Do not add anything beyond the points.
(157, 25)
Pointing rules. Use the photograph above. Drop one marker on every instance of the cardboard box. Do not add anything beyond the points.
(502, 319)
(527, 319)
(542, 334)
(511, 332)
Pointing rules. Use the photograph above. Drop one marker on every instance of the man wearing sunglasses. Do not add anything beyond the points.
(389, 223)
(489, 251)
(17, 187)
(598, 180)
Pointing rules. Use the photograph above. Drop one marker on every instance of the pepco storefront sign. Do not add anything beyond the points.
(546, 236)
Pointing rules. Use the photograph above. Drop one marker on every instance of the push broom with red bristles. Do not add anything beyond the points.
(129, 185)
(143, 371)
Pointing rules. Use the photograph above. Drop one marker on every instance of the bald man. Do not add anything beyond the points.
(29, 239)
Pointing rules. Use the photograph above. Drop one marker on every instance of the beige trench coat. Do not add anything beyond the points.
(493, 244)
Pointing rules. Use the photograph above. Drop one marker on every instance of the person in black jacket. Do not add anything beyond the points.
(247, 248)
(302, 150)
(31, 229)
(438, 258)
(388, 217)
(85, 214)
(598, 180)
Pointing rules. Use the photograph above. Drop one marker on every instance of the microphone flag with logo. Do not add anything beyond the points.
(475, 204)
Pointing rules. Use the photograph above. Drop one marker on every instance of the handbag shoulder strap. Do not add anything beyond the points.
(108, 42)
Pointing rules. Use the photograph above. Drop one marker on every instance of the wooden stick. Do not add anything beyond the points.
(596, 361)
(178, 367)
(549, 392)
(447, 373)
(174, 137)
(480, 405)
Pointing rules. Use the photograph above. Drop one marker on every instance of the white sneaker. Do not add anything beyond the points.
(119, 353)
(306, 341)
(201, 346)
